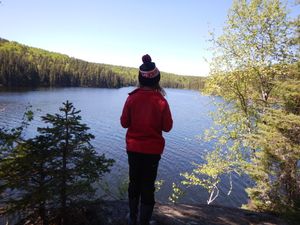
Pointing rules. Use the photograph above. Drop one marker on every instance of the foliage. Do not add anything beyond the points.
(23, 66)
(209, 175)
(42, 177)
(158, 185)
(121, 192)
(275, 165)
(176, 194)
(256, 70)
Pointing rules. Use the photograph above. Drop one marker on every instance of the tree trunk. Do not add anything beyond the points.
(64, 171)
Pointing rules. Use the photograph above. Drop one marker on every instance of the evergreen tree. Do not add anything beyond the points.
(79, 165)
(27, 176)
(45, 177)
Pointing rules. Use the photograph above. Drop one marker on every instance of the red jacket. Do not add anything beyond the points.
(146, 114)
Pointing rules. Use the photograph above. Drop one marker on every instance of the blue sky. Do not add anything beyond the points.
(173, 32)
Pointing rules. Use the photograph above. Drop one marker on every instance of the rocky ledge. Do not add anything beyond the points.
(114, 213)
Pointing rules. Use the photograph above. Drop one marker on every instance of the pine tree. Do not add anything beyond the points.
(79, 165)
(45, 177)
(27, 175)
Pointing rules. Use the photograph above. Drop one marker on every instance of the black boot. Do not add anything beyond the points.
(133, 208)
(145, 214)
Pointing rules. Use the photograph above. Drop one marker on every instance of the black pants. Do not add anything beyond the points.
(142, 175)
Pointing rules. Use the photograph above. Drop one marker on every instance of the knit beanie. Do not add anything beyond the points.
(149, 75)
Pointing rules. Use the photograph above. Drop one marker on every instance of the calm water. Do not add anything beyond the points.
(101, 110)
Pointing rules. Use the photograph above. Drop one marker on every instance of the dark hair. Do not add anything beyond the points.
(155, 87)
(158, 88)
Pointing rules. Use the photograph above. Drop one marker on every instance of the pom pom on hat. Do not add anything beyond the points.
(146, 58)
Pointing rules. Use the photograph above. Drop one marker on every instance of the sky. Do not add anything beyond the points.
(174, 33)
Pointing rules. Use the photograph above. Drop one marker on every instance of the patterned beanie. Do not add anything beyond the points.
(149, 75)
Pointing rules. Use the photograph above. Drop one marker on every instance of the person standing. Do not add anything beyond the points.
(146, 114)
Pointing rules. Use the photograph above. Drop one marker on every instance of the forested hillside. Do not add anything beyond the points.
(23, 66)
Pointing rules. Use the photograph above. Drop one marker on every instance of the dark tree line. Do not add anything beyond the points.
(23, 66)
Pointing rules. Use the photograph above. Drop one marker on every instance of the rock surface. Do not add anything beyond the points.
(114, 213)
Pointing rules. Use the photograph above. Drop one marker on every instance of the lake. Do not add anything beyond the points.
(101, 110)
